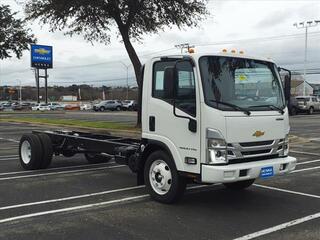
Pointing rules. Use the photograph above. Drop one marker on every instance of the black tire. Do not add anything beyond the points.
(239, 185)
(35, 148)
(96, 158)
(293, 111)
(178, 183)
(311, 111)
(118, 108)
(47, 150)
(102, 109)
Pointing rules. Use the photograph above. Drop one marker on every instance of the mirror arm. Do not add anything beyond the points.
(192, 123)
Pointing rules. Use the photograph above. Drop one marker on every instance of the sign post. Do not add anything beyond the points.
(41, 58)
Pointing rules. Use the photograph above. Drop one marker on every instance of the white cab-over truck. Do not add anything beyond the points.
(206, 118)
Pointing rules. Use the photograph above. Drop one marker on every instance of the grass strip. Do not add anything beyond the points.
(72, 122)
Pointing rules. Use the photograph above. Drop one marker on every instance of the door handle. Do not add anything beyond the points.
(152, 123)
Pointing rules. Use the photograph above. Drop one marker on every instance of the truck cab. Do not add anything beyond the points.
(214, 118)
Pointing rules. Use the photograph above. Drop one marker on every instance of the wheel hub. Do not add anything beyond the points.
(160, 177)
(26, 152)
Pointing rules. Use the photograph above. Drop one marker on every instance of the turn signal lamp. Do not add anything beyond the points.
(191, 50)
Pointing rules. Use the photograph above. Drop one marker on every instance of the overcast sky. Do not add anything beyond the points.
(262, 28)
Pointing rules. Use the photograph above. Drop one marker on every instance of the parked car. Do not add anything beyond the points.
(130, 105)
(41, 107)
(85, 107)
(55, 106)
(16, 107)
(108, 105)
(293, 106)
(72, 107)
(1, 107)
(308, 104)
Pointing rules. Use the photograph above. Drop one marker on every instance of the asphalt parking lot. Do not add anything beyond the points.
(74, 200)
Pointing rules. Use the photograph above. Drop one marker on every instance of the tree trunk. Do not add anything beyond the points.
(137, 69)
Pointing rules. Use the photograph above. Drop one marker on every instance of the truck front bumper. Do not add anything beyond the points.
(244, 171)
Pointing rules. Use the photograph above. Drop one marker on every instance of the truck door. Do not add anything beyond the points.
(171, 128)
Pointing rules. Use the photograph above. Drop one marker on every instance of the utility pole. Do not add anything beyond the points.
(306, 25)
(184, 46)
(20, 91)
(127, 69)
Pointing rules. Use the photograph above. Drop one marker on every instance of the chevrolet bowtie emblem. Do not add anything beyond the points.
(258, 134)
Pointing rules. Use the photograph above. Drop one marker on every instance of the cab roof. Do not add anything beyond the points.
(196, 56)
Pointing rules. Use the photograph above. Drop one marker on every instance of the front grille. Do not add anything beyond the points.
(246, 153)
(255, 144)
(254, 149)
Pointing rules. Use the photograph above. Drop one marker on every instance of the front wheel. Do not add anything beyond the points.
(162, 179)
(239, 185)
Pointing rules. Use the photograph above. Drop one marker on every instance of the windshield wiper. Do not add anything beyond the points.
(246, 111)
(270, 106)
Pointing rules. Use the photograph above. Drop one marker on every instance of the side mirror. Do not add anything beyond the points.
(169, 79)
(287, 87)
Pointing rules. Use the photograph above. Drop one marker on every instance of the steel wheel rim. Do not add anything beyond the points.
(26, 152)
(160, 177)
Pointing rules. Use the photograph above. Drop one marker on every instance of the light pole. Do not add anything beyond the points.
(127, 69)
(20, 90)
(306, 25)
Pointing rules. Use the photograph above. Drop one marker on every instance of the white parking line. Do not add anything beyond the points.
(287, 191)
(305, 169)
(121, 200)
(9, 159)
(70, 198)
(283, 225)
(63, 172)
(9, 156)
(279, 227)
(308, 153)
(307, 162)
(58, 168)
(10, 140)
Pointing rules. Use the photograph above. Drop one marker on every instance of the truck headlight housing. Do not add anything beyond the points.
(216, 148)
(285, 146)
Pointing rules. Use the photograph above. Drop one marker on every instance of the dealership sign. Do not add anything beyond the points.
(41, 56)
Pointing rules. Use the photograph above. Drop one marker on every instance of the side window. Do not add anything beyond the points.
(158, 74)
(186, 91)
(186, 97)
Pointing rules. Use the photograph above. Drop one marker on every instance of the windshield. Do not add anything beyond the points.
(246, 83)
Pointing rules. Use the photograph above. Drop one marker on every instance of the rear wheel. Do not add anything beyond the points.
(47, 150)
(96, 158)
(102, 109)
(239, 185)
(30, 152)
(162, 179)
(118, 108)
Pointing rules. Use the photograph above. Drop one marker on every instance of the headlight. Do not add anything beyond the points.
(217, 148)
(285, 147)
